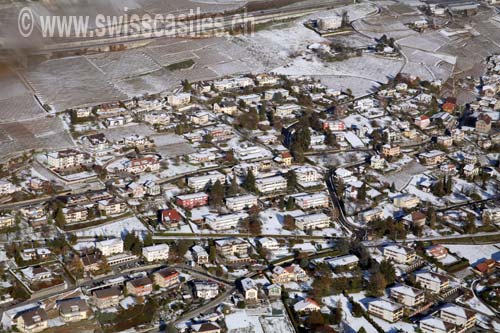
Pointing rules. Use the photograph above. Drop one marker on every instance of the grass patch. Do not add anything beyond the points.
(181, 65)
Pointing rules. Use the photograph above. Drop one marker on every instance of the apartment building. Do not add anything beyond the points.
(64, 159)
(227, 106)
(407, 295)
(349, 262)
(140, 165)
(459, 316)
(96, 144)
(75, 214)
(112, 206)
(399, 254)
(32, 320)
(206, 289)
(7, 187)
(225, 222)
(200, 255)
(107, 297)
(166, 278)
(431, 281)
(286, 110)
(139, 287)
(390, 150)
(291, 273)
(315, 200)
(6, 221)
(73, 310)
(406, 201)
(200, 182)
(274, 93)
(268, 243)
(387, 310)
(312, 221)
(190, 201)
(110, 246)
(271, 184)
(431, 324)
(434, 157)
(179, 99)
(241, 202)
(232, 247)
(371, 215)
(155, 252)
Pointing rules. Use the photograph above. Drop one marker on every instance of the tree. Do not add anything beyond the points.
(289, 222)
(290, 204)
(216, 194)
(376, 285)
(362, 192)
(388, 271)
(233, 187)
(263, 111)
(249, 183)
(76, 267)
(431, 217)
(337, 318)
(148, 240)
(60, 220)
(315, 319)
(186, 86)
(291, 180)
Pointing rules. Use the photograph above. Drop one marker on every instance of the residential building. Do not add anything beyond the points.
(113, 206)
(267, 243)
(312, 221)
(286, 110)
(483, 123)
(377, 162)
(250, 290)
(157, 118)
(431, 281)
(170, 218)
(190, 201)
(75, 214)
(307, 305)
(225, 222)
(232, 247)
(387, 310)
(107, 297)
(139, 287)
(155, 252)
(271, 184)
(64, 159)
(273, 290)
(406, 201)
(32, 320)
(422, 122)
(434, 157)
(226, 106)
(348, 262)
(432, 324)
(291, 273)
(399, 254)
(438, 251)
(166, 278)
(110, 246)
(489, 214)
(96, 144)
(314, 200)
(407, 295)
(274, 93)
(73, 310)
(457, 315)
(206, 289)
(140, 165)
(241, 202)
(6, 221)
(179, 99)
(390, 150)
(208, 327)
(200, 255)
(371, 215)
(36, 273)
(200, 182)
(7, 187)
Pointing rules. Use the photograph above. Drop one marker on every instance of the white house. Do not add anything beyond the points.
(110, 246)
(155, 252)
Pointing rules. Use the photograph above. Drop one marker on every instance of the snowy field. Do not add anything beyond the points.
(476, 253)
(117, 229)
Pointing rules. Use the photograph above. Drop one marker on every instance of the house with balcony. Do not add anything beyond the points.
(139, 287)
(73, 310)
(166, 278)
(386, 310)
(406, 295)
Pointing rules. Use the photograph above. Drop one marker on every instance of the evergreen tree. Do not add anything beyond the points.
(388, 271)
(249, 183)
(362, 192)
(233, 187)
(291, 180)
(376, 285)
(217, 194)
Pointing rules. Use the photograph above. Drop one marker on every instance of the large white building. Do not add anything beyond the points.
(407, 295)
(179, 99)
(432, 281)
(389, 311)
(241, 202)
(206, 289)
(431, 324)
(271, 184)
(66, 159)
(399, 254)
(110, 246)
(314, 200)
(199, 182)
(155, 252)
(457, 315)
(224, 222)
(7, 187)
(312, 221)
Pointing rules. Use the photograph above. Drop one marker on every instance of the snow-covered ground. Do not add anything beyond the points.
(476, 253)
(117, 229)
